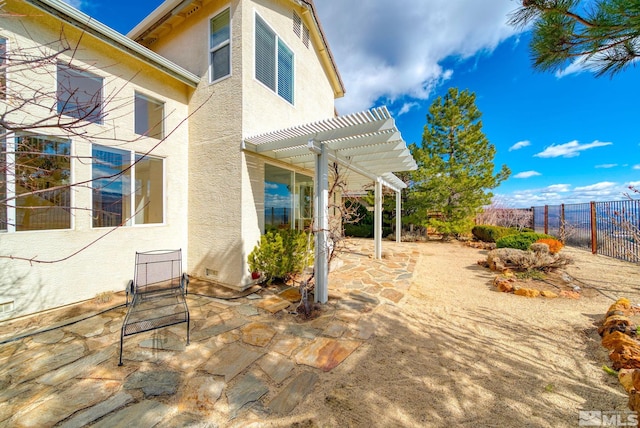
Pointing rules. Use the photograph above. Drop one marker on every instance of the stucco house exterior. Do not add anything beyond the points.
(221, 115)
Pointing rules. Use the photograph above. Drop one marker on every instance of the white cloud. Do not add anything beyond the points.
(392, 52)
(597, 187)
(407, 107)
(561, 188)
(607, 165)
(526, 174)
(636, 166)
(579, 65)
(633, 184)
(519, 145)
(569, 150)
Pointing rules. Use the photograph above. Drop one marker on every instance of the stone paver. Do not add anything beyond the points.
(64, 403)
(247, 352)
(257, 334)
(276, 366)
(294, 393)
(147, 413)
(325, 353)
(247, 390)
(94, 413)
(201, 393)
(154, 383)
(232, 360)
(49, 337)
(273, 304)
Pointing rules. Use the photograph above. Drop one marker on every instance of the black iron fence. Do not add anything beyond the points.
(608, 228)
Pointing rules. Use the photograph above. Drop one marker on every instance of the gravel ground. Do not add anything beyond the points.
(458, 353)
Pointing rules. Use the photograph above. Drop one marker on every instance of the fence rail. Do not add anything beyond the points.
(608, 228)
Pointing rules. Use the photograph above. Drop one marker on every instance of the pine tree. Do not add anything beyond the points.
(605, 33)
(455, 166)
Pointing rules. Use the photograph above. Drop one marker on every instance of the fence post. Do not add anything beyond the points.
(533, 218)
(546, 219)
(562, 233)
(594, 229)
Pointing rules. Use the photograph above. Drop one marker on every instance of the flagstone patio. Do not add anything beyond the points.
(250, 357)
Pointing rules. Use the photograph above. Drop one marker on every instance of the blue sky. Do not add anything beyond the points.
(568, 137)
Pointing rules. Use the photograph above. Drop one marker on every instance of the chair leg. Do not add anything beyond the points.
(188, 329)
(121, 340)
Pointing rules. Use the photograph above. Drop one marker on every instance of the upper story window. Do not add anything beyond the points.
(3, 68)
(220, 46)
(149, 116)
(79, 94)
(274, 61)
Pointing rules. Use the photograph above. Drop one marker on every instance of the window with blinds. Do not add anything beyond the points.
(274, 61)
(220, 46)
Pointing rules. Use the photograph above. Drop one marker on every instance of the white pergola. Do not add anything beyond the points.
(367, 143)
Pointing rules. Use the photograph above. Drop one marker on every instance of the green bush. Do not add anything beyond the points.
(521, 241)
(358, 230)
(487, 233)
(281, 254)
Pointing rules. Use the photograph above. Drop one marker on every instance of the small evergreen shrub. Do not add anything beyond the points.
(358, 230)
(521, 241)
(281, 254)
(554, 245)
(486, 233)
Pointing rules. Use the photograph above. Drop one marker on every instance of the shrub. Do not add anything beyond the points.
(487, 233)
(521, 241)
(281, 254)
(358, 230)
(554, 245)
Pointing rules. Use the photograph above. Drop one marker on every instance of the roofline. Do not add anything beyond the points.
(110, 36)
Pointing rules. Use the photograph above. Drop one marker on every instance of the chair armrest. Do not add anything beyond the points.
(129, 290)
(184, 283)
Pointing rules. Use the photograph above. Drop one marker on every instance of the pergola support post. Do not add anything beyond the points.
(377, 222)
(321, 208)
(398, 216)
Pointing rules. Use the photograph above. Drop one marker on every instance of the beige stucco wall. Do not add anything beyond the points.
(264, 110)
(107, 262)
(226, 186)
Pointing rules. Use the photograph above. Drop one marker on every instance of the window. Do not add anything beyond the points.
(115, 202)
(79, 94)
(220, 46)
(3, 68)
(42, 163)
(288, 199)
(149, 116)
(274, 61)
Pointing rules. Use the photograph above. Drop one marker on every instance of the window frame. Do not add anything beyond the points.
(213, 49)
(131, 192)
(296, 201)
(150, 100)
(61, 107)
(276, 56)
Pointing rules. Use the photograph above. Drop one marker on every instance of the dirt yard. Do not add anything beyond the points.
(456, 352)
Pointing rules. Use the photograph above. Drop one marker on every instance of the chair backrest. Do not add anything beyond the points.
(157, 270)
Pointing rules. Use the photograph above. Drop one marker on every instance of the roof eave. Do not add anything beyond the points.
(119, 41)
